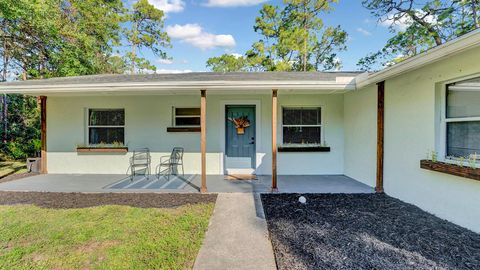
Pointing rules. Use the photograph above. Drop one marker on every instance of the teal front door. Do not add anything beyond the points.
(240, 138)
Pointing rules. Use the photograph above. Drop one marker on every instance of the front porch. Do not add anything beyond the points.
(93, 183)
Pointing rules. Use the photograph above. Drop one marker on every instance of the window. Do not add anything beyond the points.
(462, 118)
(186, 117)
(302, 126)
(106, 126)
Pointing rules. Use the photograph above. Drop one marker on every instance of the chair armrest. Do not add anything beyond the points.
(163, 161)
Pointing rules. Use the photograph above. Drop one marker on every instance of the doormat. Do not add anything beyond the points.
(241, 177)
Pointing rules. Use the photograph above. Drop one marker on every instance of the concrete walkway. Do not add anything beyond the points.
(237, 237)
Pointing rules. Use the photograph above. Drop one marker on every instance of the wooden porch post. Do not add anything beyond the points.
(380, 135)
(274, 140)
(43, 133)
(203, 137)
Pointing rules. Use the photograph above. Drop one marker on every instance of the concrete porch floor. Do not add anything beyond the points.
(188, 183)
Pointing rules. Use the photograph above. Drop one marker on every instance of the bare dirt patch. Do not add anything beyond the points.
(96, 246)
(364, 231)
(82, 200)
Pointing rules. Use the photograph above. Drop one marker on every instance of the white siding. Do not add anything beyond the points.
(146, 120)
(361, 135)
(411, 129)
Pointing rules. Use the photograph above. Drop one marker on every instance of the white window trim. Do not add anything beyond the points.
(88, 126)
(175, 116)
(444, 120)
(321, 125)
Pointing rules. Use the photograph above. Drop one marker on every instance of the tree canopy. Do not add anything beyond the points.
(418, 26)
(57, 38)
(294, 38)
(145, 32)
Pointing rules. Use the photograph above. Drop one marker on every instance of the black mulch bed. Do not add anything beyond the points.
(364, 231)
(81, 200)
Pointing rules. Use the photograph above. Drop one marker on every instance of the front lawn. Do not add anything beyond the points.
(101, 237)
(11, 167)
(364, 231)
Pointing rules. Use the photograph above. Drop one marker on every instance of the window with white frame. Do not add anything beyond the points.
(462, 118)
(106, 126)
(302, 125)
(186, 117)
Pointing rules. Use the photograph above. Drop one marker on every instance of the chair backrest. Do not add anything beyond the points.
(177, 155)
(141, 156)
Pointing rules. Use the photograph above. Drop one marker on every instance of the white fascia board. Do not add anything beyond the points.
(463, 43)
(178, 86)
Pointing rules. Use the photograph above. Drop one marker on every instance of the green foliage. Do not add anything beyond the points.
(20, 136)
(434, 156)
(146, 32)
(418, 26)
(57, 38)
(294, 38)
(472, 161)
(116, 65)
(227, 63)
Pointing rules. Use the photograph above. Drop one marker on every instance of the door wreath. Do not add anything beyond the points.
(240, 123)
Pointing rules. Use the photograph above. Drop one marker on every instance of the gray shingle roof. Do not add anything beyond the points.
(192, 77)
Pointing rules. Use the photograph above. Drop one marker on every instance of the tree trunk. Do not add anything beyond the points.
(428, 26)
(5, 118)
(1, 114)
(134, 46)
(305, 51)
(134, 56)
(305, 39)
(474, 13)
(4, 99)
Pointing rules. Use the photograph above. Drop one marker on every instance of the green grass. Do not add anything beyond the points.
(9, 167)
(103, 237)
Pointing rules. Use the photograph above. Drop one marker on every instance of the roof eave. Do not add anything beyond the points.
(175, 86)
(463, 43)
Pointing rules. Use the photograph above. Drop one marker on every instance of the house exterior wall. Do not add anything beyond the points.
(361, 135)
(412, 120)
(146, 121)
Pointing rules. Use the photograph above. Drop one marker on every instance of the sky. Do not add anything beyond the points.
(200, 29)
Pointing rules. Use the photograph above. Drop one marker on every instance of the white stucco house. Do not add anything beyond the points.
(376, 128)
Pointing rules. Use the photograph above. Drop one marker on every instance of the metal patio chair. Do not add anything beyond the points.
(140, 162)
(169, 164)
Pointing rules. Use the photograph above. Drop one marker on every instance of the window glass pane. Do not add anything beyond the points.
(107, 117)
(301, 135)
(463, 100)
(187, 111)
(187, 121)
(106, 135)
(463, 138)
(311, 116)
(301, 116)
(292, 116)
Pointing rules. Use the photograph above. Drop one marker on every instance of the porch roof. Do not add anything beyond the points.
(125, 83)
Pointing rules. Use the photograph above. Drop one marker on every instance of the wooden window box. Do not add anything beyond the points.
(453, 169)
(102, 149)
(293, 149)
(183, 129)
